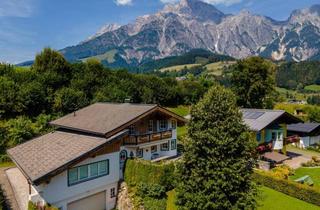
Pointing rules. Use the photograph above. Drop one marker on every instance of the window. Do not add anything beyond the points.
(73, 175)
(94, 169)
(132, 129)
(173, 124)
(164, 146)
(83, 172)
(274, 136)
(87, 172)
(150, 126)
(280, 136)
(154, 149)
(139, 153)
(112, 192)
(163, 124)
(173, 144)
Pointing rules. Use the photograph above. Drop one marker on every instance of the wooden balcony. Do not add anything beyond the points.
(149, 137)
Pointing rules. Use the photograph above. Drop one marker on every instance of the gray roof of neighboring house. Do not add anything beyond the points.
(258, 119)
(303, 127)
(41, 156)
(101, 118)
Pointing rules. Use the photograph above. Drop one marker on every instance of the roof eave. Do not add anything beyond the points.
(62, 168)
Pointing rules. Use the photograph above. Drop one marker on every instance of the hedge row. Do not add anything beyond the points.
(32, 206)
(141, 171)
(289, 187)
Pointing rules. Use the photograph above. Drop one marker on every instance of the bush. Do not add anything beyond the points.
(154, 204)
(32, 206)
(291, 188)
(282, 171)
(153, 190)
(141, 171)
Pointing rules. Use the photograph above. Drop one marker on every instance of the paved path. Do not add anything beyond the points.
(7, 190)
(296, 162)
(20, 187)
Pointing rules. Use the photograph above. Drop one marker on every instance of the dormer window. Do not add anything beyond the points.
(163, 124)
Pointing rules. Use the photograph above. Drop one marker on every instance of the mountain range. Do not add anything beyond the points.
(193, 24)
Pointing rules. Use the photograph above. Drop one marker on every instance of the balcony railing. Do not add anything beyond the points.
(148, 137)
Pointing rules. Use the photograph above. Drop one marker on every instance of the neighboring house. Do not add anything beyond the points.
(309, 133)
(78, 166)
(270, 128)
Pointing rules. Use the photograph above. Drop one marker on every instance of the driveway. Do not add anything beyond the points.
(20, 187)
(297, 158)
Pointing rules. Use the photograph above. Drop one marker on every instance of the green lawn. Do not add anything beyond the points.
(314, 173)
(180, 110)
(315, 88)
(274, 200)
(269, 199)
(171, 200)
(6, 164)
(179, 67)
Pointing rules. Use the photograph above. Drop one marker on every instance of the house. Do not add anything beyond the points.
(270, 130)
(78, 166)
(309, 133)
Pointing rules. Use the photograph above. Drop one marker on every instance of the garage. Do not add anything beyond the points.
(93, 202)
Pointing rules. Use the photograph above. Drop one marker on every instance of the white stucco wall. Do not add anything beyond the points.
(58, 193)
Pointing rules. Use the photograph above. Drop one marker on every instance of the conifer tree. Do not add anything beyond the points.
(217, 166)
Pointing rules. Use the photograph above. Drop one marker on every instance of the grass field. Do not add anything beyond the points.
(179, 67)
(217, 67)
(314, 173)
(269, 199)
(109, 56)
(180, 110)
(315, 88)
(299, 96)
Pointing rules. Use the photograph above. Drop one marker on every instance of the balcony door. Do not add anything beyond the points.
(123, 158)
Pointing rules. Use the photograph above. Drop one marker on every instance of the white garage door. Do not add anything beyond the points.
(93, 202)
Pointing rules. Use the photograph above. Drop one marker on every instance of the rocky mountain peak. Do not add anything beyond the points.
(196, 9)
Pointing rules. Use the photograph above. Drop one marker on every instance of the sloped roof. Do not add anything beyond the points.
(102, 118)
(39, 157)
(258, 119)
(303, 127)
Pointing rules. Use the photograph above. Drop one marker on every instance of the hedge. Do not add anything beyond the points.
(141, 171)
(289, 187)
(32, 206)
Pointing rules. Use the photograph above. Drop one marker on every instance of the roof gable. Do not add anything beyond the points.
(104, 118)
(258, 119)
(52, 153)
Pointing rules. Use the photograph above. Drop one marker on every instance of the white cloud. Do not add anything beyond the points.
(123, 2)
(169, 1)
(225, 2)
(16, 8)
(215, 2)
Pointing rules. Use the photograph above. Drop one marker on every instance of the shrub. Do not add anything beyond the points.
(154, 204)
(289, 187)
(153, 190)
(282, 171)
(32, 206)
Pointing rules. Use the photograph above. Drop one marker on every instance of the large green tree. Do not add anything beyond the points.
(216, 168)
(253, 83)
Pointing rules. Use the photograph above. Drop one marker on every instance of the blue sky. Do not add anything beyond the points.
(26, 26)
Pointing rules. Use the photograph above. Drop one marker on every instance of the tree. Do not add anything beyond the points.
(68, 100)
(53, 70)
(253, 83)
(216, 168)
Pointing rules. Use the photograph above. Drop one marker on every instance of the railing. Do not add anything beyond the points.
(148, 137)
